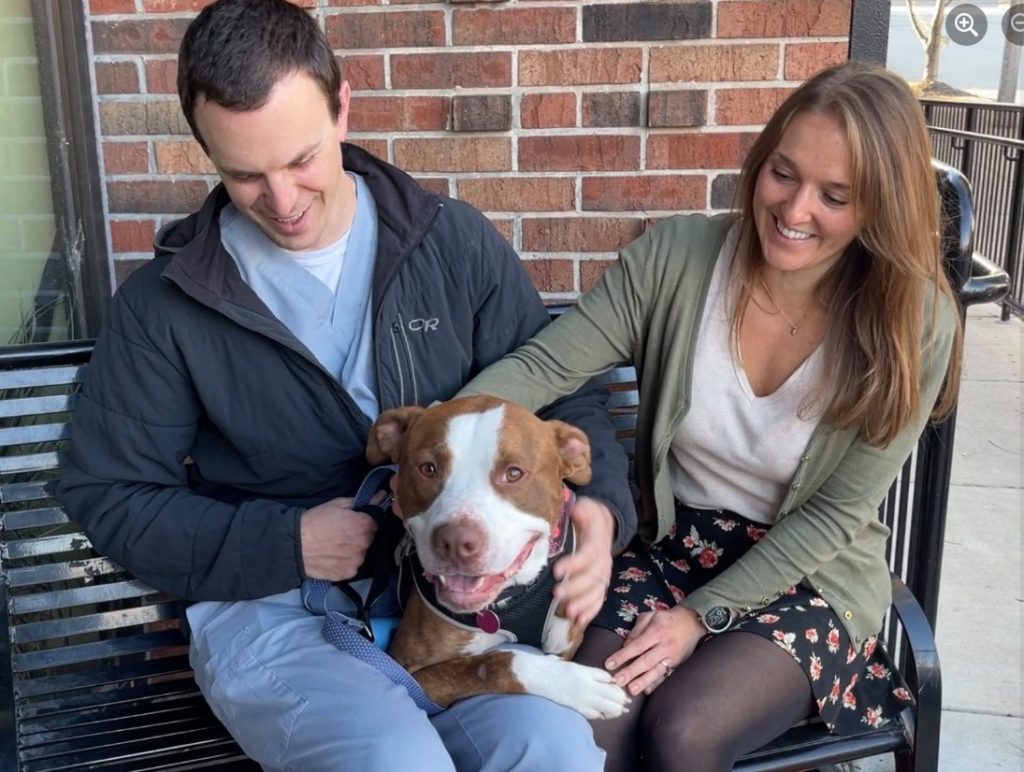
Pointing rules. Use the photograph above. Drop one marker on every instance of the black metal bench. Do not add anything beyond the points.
(95, 672)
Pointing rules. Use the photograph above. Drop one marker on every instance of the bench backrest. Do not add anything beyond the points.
(85, 636)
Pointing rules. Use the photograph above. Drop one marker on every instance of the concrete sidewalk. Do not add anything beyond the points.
(981, 597)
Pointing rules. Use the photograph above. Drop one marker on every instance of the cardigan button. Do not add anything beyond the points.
(765, 600)
(847, 615)
(805, 458)
(796, 486)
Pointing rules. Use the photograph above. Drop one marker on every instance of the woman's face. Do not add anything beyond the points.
(802, 208)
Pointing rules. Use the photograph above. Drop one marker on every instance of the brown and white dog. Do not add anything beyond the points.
(480, 483)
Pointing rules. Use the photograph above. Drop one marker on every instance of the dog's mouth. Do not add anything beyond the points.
(471, 592)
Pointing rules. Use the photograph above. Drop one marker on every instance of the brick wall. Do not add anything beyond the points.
(572, 123)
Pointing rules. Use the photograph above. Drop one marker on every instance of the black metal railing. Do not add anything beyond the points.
(985, 141)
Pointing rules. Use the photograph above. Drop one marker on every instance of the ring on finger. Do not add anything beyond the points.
(668, 670)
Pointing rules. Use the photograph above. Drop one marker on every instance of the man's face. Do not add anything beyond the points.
(281, 164)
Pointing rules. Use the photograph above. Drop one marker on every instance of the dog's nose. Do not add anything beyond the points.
(459, 542)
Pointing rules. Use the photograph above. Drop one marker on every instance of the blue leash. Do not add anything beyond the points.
(355, 636)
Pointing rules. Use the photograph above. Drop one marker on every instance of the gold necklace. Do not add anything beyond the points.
(794, 327)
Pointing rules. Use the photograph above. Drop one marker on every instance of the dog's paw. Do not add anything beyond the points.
(589, 690)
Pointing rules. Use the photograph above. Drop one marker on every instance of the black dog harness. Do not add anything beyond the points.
(519, 613)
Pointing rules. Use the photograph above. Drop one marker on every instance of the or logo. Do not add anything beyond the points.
(424, 325)
(1013, 24)
(966, 24)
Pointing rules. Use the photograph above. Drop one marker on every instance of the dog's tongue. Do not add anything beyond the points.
(460, 583)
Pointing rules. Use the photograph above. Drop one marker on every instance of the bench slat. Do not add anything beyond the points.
(32, 462)
(65, 708)
(99, 677)
(100, 650)
(33, 518)
(41, 376)
(45, 545)
(80, 596)
(93, 623)
(57, 572)
(102, 731)
(22, 435)
(54, 403)
(35, 490)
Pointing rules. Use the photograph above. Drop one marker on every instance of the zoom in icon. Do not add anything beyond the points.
(966, 24)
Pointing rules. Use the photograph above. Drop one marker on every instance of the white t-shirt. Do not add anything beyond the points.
(734, 450)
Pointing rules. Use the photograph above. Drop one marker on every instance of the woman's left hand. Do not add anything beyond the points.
(659, 642)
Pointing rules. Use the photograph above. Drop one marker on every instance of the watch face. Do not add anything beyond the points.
(717, 619)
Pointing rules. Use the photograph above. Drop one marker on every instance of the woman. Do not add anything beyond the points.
(788, 357)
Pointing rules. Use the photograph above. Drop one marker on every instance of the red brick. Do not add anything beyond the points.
(591, 271)
(551, 275)
(174, 6)
(138, 36)
(162, 76)
(639, 193)
(802, 60)
(577, 153)
(100, 7)
(451, 70)
(505, 227)
(363, 72)
(375, 147)
(132, 235)
(579, 234)
(714, 63)
(783, 18)
(481, 112)
(358, 2)
(454, 154)
(124, 268)
(676, 108)
(698, 151)
(143, 118)
(182, 158)
(117, 78)
(519, 194)
(580, 66)
(388, 29)
(156, 196)
(748, 106)
(611, 108)
(373, 113)
(545, 111)
(440, 185)
(125, 158)
(513, 26)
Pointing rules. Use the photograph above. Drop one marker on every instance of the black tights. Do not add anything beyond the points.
(734, 694)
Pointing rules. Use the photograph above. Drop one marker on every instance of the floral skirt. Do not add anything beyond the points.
(853, 689)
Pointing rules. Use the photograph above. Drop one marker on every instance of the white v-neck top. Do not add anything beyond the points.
(734, 450)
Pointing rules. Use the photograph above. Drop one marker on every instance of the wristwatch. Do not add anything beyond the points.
(717, 619)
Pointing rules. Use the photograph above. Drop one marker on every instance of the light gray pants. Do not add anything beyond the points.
(294, 702)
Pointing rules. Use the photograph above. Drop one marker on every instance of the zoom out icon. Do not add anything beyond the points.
(1013, 24)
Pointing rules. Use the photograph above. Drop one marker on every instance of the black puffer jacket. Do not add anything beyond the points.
(192, 365)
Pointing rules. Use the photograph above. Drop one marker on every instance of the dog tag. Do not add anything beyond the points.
(488, 621)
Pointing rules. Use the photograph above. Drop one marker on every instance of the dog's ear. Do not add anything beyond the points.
(386, 434)
(574, 450)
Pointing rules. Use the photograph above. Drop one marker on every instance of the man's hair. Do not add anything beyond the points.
(235, 51)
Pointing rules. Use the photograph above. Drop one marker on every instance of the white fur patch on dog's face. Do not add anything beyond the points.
(468, 497)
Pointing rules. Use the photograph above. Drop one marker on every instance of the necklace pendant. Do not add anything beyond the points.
(792, 330)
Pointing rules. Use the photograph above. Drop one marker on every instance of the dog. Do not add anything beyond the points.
(481, 493)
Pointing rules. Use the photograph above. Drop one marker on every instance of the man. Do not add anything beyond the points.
(223, 421)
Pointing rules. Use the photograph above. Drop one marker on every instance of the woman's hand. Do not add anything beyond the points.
(659, 642)
(583, 576)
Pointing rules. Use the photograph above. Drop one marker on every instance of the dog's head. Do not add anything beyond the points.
(480, 487)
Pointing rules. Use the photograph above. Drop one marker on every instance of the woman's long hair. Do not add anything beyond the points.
(876, 291)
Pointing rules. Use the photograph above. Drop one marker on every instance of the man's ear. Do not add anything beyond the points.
(344, 101)
(574, 450)
(387, 432)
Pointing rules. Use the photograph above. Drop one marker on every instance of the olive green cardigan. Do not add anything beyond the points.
(646, 309)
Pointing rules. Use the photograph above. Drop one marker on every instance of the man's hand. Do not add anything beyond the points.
(334, 540)
(583, 577)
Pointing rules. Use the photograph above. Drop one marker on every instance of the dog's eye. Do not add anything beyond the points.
(513, 474)
(428, 470)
